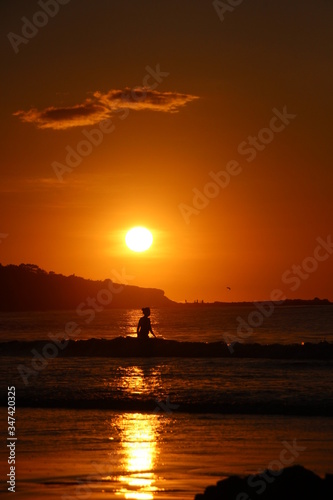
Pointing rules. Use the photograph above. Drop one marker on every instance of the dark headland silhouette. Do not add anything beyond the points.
(27, 287)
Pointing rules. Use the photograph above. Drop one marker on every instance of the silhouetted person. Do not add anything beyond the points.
(144, 325)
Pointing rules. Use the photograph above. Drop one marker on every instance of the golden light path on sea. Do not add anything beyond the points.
(138, 434)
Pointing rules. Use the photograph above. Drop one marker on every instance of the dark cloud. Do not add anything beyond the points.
(103, 105)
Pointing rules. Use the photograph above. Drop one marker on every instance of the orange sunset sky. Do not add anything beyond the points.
(179, 91)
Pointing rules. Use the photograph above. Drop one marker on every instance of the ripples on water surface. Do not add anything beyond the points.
(199, 426)
(208, 324)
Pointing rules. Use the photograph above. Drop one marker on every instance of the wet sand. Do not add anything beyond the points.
(68, 453)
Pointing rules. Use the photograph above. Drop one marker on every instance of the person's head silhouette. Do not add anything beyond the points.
(146, 311)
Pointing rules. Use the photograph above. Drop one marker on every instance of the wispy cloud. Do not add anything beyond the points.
(102, 106)
(30, 185)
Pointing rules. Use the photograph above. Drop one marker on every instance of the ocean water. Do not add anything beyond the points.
(283, 325)
(76, 454)
(149, 428)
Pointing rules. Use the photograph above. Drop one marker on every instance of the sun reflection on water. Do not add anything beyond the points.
(130, 321)
(139, 380)
(138, 434)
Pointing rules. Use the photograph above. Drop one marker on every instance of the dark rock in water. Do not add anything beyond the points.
(291, 483)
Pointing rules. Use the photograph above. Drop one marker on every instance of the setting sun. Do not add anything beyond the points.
(139, 239)
(166, 249)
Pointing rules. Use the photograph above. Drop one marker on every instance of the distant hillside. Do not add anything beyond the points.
(28, 288)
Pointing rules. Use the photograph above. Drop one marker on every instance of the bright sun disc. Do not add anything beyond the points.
(139, 239)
